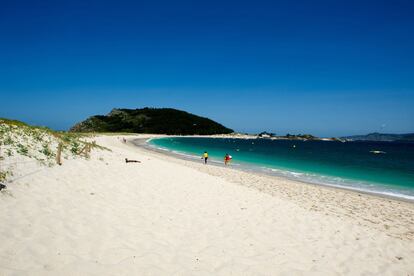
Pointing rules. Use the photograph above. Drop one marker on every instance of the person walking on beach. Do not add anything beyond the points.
(205, 157)
(227, 159)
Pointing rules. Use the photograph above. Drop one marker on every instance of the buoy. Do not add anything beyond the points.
(377, 152)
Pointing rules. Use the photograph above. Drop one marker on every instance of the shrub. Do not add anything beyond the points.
(4, 175)
(46, 150)
(8, 140)
(74, 147)
(23, 150)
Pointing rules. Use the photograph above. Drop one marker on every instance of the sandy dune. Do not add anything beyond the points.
(173, 217)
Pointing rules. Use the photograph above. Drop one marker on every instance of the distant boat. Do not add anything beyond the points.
(377, 152)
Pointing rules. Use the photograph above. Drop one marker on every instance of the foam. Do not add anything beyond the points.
(317, 179)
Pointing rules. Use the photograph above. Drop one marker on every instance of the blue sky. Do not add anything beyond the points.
(328, 68)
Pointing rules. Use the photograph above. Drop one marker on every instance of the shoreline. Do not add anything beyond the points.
(345, 203)
(143, 142)
(164, 216)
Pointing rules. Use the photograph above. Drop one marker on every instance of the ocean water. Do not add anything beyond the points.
(349, 165)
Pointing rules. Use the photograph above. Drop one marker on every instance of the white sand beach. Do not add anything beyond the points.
(166, 216)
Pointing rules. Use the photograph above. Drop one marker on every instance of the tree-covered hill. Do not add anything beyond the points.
(151, 120)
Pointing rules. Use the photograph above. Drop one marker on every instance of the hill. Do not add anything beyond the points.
(409, 137)
(151, 120)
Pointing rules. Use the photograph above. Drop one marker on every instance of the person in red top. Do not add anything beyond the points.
(227, 159)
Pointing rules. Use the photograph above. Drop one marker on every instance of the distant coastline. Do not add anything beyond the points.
(379, 137)
(383, 137)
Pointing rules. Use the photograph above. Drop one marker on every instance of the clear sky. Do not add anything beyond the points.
(328, 68)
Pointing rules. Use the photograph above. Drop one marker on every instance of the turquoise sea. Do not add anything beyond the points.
(348, 165)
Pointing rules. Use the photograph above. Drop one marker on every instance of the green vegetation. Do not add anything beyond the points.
(18, 140)
(4, 175)
(151, 120)
(409, 137)
(301, 136)
(22, 149)
(265, 134)
(12, 122)
(47, 151)
(74, 147)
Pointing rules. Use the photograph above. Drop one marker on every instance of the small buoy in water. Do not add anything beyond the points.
(377, 152)
(237, 149)
(294, 146)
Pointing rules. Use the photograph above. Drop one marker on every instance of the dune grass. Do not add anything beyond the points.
(20, 140)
